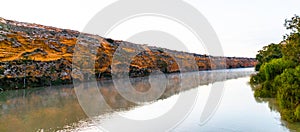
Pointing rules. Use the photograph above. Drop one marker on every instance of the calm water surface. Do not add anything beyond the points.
(58, 108)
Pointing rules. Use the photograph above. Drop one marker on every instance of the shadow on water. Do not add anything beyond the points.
(56, 108)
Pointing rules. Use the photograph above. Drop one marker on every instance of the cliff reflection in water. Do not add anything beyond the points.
(55, 108)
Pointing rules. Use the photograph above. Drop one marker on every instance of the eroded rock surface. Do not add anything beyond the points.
(33, 55)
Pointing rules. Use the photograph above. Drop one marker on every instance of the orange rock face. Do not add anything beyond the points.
(36, 55)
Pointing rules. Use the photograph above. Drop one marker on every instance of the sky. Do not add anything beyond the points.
(243, 27)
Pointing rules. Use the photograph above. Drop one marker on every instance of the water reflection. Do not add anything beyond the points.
(274, 107)
(56, 108)
(30, 110)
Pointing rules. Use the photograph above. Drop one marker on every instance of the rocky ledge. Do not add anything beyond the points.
(33, 55)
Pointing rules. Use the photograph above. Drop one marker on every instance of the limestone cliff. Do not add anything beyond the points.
(33, 55)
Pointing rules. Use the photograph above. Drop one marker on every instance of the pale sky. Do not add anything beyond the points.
(243, 27)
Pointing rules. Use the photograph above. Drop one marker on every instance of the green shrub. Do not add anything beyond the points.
(276, 67)
(288, 95)
(265, 91)
(257, 79)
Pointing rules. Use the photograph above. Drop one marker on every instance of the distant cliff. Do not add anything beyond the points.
(33, 55)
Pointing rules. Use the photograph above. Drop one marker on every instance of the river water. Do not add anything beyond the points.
(220, 100)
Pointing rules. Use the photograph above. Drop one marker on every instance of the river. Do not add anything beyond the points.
(220, 100)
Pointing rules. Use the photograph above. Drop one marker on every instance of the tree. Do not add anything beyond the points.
(279, 72)
(291, 49)
(272, 51)
(293, 24)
